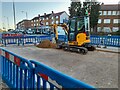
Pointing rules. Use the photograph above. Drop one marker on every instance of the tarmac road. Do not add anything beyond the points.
(97, 68)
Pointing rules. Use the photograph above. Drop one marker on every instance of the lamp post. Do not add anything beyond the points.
(25, 13)
(7, 19)
(14, 15)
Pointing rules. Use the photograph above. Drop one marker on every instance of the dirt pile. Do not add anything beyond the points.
(46, 44)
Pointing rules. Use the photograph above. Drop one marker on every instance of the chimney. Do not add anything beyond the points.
(39, 15)
(52, 12)
(102, 3)
(44, 14)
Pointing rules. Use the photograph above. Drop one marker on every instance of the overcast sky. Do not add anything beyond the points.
(33, 8)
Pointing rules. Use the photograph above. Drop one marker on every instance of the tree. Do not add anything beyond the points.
(93, 9)
(75, 9)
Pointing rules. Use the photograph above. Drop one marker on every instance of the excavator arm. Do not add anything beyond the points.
(54, 26)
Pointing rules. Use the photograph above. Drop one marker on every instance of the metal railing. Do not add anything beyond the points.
(20, 73)
(113, 41)
(22, 40)
(16, 71)
(95, 40)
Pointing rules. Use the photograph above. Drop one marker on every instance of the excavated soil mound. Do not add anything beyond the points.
(46, 44)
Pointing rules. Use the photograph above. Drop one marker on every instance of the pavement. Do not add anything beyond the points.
(3, 86)
(108, 49)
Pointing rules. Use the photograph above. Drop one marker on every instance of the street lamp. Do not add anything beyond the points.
(7, 20)
(25, 13)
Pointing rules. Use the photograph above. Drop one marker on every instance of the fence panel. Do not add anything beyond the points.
(16, 71)
(96, 40)
(46, 77)
(19, 73)
(106, 40)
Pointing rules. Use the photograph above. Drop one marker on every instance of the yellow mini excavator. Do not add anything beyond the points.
(78, 33)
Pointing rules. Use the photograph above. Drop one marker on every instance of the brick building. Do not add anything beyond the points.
(44, 20)
(109, 18)
(24, 24)
(48, 19)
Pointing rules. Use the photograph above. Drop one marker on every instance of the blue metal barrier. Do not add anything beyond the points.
(24, 39)
(16, 71)
(19, 73)
(95, 40)
(106, 40)
(10, 40)
(46, 77)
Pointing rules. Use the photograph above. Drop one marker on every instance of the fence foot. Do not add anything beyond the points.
(105, 47)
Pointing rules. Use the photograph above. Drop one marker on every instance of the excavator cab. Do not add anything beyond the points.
(79, 31)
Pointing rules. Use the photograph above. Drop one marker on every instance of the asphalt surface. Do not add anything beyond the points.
(97, 68)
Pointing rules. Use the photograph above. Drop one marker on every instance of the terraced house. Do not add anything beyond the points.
(46, 19)
(24, 24)
(109, 18)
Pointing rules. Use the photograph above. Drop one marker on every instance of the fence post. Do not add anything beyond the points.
(18, 41)
(22, 41)
(5, 42)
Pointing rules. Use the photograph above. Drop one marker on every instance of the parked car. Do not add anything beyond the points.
(29, 32)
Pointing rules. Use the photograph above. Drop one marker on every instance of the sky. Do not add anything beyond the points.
(33, 8)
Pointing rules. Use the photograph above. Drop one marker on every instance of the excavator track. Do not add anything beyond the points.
(92, 48)
(81, 50)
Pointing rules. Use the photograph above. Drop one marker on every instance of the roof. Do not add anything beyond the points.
(35, 18)
(59, 13)
(48, 15)
(23, 20)
(111, 7)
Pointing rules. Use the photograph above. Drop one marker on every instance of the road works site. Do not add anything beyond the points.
(96, 68)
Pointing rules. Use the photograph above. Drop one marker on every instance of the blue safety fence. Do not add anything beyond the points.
(22, 40)
(53, 79)
(95, 40)
(16, 71)
(105, 40)
(20, 73)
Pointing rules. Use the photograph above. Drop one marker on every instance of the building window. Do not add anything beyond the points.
(37, 24)
(98, 29)
(37, 20)
(106, 20)
(46, 18)
(100, 12)
(109, 12)
(116, 21)
(104, 12)
(56, 22)
(99, 21)
(114, 13)
(31, 24)
(52, 17)
(56, 16)
(118, 12)
(46, 23)
(34, 20)
(115, 29)
(52, 22)
(107, 29)
(34, 25)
